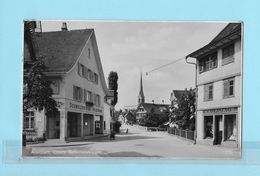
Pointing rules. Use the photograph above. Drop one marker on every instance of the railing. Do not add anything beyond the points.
(187, 134)
(156, 129)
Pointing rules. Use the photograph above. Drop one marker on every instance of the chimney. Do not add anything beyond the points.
(64, 26)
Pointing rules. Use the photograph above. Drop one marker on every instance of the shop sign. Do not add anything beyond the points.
(83, 107)
(220, 110)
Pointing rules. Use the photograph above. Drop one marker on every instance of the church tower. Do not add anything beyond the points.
(141, 92)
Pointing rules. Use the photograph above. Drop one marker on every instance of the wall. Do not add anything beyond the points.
(225, 70)
(107, 117)
(73, 78)
(216, 76)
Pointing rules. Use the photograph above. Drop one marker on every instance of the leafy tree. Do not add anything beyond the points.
(183, 109)
(154, 120)
(112, 85)
(37, 90)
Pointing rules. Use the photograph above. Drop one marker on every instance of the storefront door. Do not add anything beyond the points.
(74, 124)
(53, 126)
(218, 129)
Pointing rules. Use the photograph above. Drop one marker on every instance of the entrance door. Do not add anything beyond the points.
(53, 126)
(218, 129)
(74, 124)
(97, 127)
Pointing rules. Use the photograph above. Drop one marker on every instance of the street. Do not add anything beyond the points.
(136, 143)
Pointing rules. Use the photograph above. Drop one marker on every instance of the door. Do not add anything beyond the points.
(218, 129)
(97, 127)
(53, 126)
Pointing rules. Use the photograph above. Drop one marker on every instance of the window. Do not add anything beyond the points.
(97, 100)
(95, 78)
(208, 126)
(208, 92)
(89, 53)
(89, 74)
(29, 120)
(88, 96)
(77, 93)
(104, 125)
(209, 62)
(228, 85)
(55, 86)
(25, 89)
(228, 54)
(230, 127)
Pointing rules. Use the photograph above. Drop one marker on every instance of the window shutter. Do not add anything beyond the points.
(74, 92)
(225, 85)
(80, 94)
(78, 68)
(206, 92)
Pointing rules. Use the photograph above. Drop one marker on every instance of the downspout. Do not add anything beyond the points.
(196, 96)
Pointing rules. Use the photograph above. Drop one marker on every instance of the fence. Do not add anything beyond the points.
(187, 134)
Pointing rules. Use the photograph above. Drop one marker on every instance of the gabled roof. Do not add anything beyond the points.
(149, 106)
(60, 49)
(179, 93)
(230, 33)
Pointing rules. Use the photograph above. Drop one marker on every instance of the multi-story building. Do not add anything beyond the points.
(219, 83)
(74, 67)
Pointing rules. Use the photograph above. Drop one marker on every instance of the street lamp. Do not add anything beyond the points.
(196, 96)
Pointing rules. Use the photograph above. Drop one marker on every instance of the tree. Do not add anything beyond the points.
(154, 120)
(183, 110)
(37, 90)
(112, 85)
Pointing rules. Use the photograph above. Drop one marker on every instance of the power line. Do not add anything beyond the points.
(177, 60)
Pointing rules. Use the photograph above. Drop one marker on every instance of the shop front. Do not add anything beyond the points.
(221, 125)
(83, 121)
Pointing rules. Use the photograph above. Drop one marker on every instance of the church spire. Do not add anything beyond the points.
(141, 98)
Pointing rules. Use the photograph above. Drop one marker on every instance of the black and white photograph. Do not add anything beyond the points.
(132, 89)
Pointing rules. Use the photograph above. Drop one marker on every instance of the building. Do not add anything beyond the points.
(144, 109)
(141, 98)
(219, 86)
(78, 83)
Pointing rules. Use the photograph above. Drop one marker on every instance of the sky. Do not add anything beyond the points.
(132, 47)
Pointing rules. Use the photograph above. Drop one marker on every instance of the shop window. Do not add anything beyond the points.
(29, 122)
(228, 85)
(208, 63)
(208, 126)
(228, 54)
(230, 127)
(77, 93)
(208, 92)
(55, 86)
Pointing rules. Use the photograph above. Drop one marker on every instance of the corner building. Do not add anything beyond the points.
(219, 82)
(74, 68)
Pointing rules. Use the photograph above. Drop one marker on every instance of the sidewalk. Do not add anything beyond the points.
(77, 141)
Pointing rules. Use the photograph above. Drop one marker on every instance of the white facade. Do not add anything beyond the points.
(76, 118)
(222, 113)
